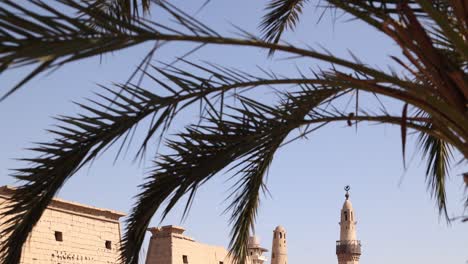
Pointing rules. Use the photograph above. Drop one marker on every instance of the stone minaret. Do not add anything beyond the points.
(256, 251)
(279, 251)
(348, 248)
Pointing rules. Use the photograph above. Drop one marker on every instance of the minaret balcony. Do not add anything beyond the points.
(261, 258)
(348, 247)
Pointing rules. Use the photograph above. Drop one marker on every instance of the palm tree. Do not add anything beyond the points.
(244, 137)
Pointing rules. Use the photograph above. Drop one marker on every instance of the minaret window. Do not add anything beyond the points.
(185, 259)
(346, 216)
(281, 235)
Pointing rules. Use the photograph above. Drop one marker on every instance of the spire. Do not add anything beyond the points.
(348, 248)
(256, 251)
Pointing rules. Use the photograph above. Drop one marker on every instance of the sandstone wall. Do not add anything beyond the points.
(88, 234)
(169, 246)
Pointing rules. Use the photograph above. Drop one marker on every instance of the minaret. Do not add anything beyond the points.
(256, 251)
(348, 248)
(279, 251)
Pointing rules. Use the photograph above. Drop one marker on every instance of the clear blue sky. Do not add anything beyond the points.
(397, 223)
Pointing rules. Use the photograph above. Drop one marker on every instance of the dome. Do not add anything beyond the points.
(280, 229)
(254, 241)
(347, 205)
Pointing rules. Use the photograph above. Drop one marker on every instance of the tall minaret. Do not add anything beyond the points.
(279, 250)
(348, 248)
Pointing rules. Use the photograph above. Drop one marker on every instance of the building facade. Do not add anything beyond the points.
(71, 233)
(169, 245)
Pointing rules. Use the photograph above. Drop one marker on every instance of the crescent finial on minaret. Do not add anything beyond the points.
(347, 188)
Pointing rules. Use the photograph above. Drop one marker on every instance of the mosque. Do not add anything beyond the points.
(72, 233)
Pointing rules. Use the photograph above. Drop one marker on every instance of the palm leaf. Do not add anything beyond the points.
(438, 156)
(244, 138)
(249, 138)
(79, 140)
(51, 38)
(281, 15)
(122, 9)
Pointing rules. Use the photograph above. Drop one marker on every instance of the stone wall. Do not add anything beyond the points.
(88, 234)
(168, 245)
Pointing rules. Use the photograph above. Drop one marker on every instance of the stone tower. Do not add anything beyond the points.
(279, 251)
(256, 251)
(348, 248)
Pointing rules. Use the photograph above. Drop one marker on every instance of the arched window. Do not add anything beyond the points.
(281, 235)
(346, 216)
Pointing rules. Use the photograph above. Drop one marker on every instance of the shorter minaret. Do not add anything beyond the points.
(279, 250)
(348, 248)
(256, 251)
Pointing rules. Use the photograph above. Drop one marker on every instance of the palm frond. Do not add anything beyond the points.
(281, 15)
(249, 138)
(245, 138)
(79, 140)
(122, 9)
(465, 179)
(455, 30)
(438, 155)
(49, 37)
